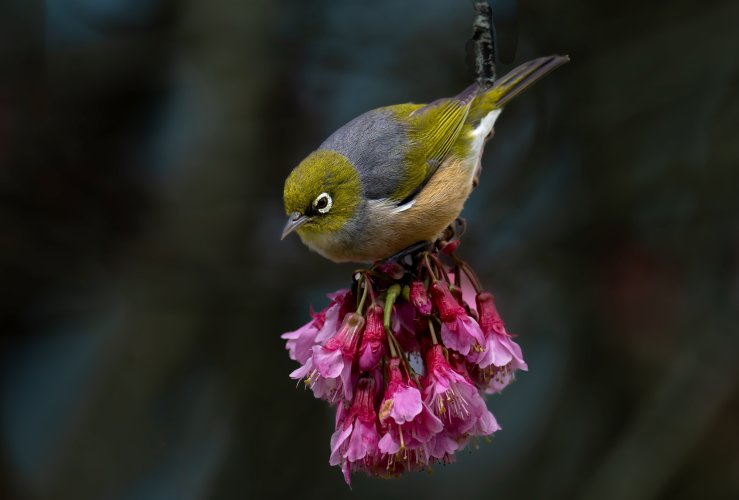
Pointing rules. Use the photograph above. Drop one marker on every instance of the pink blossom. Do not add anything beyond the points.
(300, 342)
(328, 371)
(354, 445)
(453, 398)
(486, 423)
(335, 359)
(387, 421)
(442, 447)
(492, 379)
(502, 356)
(408, 422)
(458, 330)
(330, 389)
(323, 325)
(372, 347)
(463, 335)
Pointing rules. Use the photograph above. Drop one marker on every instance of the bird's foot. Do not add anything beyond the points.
(407, 255)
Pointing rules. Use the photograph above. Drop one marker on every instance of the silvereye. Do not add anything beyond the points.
(398, 175)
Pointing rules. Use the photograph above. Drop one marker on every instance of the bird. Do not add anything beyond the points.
(398, 175)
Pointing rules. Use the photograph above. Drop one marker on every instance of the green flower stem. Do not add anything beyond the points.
(391, 342)
(392, 294)
(366, 284)
(434, 340)
(390, 297)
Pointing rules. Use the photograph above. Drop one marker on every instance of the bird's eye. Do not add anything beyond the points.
(323, 203)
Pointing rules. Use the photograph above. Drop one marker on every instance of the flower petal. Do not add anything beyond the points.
(337, 440)
(388, 445)
(347, 380)
(328, 363)
(486, 424)
(426, 425)
(303, 371)
(406, 404)
(330, 325)
(362, 442)
(461, 334)
(441, 445)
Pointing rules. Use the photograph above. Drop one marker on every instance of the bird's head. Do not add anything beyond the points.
(321, 194)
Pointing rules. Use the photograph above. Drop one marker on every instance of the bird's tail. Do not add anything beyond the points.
(512, 84)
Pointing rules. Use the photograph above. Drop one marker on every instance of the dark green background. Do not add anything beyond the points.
(143, 147)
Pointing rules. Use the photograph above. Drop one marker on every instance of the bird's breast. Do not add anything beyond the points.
(383, 228)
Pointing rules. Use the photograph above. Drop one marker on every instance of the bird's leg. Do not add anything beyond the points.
(454, 231)
(411, 251)
(450, 238)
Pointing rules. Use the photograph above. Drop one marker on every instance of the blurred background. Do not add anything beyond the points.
(143, 149)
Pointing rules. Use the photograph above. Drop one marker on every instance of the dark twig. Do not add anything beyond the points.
(483, 43)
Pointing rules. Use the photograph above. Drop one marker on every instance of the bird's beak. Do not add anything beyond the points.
(295, 220)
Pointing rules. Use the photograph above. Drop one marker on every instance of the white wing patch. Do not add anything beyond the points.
(403, 207)
(482, 131)
(385, 208)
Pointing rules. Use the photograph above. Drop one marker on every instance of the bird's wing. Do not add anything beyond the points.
(432, 133)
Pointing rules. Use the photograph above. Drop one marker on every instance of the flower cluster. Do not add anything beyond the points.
(405, 355)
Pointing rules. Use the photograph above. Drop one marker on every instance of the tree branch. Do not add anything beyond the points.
(483, 43)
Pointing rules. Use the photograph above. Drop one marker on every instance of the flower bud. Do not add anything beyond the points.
(363, 404)
(420, 299)
(490, 320)
(347, 337)
(450, 247)
(446, 304)
(372, 347)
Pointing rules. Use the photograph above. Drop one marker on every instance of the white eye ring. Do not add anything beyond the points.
(329, 203)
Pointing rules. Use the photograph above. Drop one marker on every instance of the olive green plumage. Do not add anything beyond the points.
(324, 170)
(398, 175)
